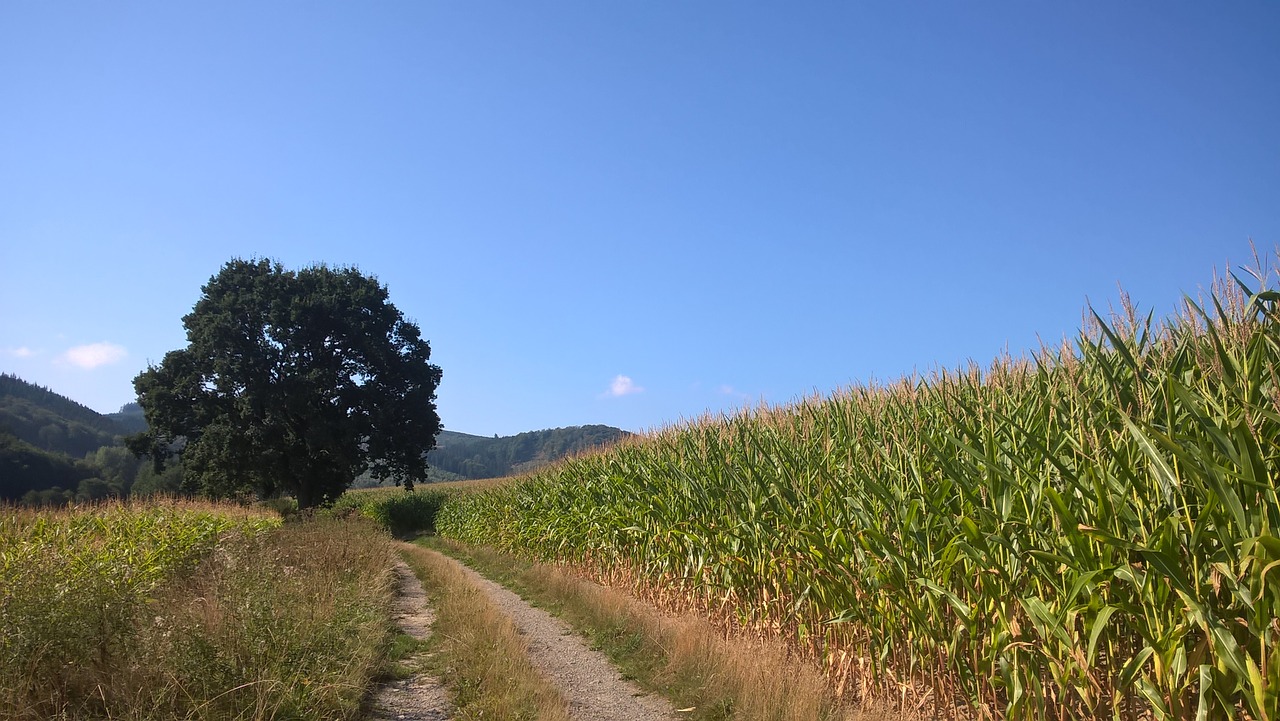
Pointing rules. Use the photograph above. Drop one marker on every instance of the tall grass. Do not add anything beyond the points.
(291, 624)
(73, 583)
(1089, 532)
(187, 611)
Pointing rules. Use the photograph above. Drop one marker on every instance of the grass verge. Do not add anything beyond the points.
(478, 651)
(686, 660)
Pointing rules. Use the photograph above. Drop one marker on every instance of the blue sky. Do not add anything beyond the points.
(630, 213)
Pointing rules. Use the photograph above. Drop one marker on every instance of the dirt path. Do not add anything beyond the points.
(420, 697)
(595, 689)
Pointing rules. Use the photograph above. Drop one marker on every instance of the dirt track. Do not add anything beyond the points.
(595, 689)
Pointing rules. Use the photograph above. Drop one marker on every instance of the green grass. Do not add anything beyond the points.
(402, 653)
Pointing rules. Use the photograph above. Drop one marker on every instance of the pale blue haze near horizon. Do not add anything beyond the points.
(726, 203)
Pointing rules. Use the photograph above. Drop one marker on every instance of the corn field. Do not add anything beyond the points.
(1089, 532)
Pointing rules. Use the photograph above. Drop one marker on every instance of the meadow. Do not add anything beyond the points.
(1088, 532)
(184, 610)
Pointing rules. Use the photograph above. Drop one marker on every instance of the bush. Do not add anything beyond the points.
(405, 514)
(402, 513)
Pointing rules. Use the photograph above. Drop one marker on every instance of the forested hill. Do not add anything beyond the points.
(54, 450)
(471, 456)
(51, 422)
(130, 418)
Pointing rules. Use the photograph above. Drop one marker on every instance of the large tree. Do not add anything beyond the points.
(294, 381)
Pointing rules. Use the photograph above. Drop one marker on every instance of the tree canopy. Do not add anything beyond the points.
(294, 381)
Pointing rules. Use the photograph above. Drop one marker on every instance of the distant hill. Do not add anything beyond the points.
(25, 468)
(454, 438)
(47, 440)
(469, 456)
(130, 418)
(52, 422)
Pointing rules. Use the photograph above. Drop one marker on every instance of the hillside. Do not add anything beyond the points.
(53, 450)
(52, 422)
(469, 456)
(25, 468)
(129, 418)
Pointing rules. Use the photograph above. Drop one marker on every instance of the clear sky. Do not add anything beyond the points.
(630, 213)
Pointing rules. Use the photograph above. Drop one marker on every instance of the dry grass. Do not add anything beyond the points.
(481, 655)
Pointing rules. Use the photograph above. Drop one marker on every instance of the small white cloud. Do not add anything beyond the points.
(727, 390)
(622, 386)
(93, 355)
(23, 352)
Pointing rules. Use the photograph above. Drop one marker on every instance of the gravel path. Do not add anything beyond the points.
(595, 689)
(420, 697)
